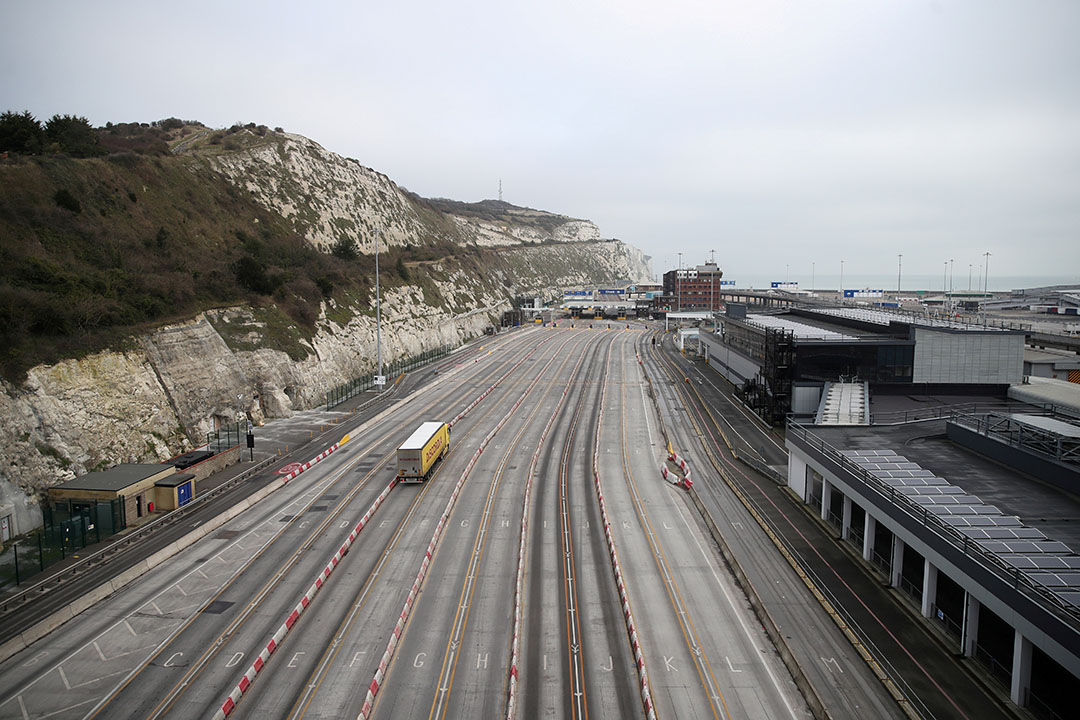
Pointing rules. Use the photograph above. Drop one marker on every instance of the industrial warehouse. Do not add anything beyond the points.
(782, 361)
(944, 454)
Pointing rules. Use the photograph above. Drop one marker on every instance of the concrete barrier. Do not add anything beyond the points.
(57, 618)
(813, 700)
(645, 689)
(519, 595)
(406, 611)
(290, 621)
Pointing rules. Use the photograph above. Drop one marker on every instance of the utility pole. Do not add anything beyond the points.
(986, 275)
(969, 277)
(813, 271)
(378, 319)
(841, 281)
(899, 265)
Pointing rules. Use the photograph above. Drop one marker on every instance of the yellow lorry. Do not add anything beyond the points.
(419, 453)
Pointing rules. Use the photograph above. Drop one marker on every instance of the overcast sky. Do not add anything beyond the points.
(778, 134)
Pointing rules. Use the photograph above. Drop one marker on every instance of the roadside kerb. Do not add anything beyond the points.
(60, 616)
(624, 597)
(505, 375)
(101, 556)
(511, 693)
(245, 682)
(809, 692)
(57, 618)
(813, 700)
(399, 626)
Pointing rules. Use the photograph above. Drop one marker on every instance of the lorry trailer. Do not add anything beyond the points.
(419, 453)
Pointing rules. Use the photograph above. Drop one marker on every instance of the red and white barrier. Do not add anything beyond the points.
(260, 662)
(245, 682)
(624, 598)
(511, 695)
(304, 466)
(673, 477)
(403, 618)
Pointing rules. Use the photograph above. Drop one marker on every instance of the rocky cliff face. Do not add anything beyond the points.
(169, 387)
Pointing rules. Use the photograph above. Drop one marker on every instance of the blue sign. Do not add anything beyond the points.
(783, 284)
(604, 291)
(849, 293)
(578, 293)
(727, 282)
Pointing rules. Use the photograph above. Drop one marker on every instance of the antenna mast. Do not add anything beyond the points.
(500, 189)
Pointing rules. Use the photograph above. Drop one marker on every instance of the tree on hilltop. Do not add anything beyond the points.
(74, 135)
(21, 133)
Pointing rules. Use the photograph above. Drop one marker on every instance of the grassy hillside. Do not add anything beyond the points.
(97, 249)
(93, 249)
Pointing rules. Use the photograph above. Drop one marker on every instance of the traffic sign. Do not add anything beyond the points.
(380, 379)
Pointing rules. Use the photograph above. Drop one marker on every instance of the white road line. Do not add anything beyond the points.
(731, 602)
(644, 404)
(64, 710)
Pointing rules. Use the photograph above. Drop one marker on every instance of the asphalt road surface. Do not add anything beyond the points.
(417, 618)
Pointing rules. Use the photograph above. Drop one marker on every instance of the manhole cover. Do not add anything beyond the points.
(217, 607)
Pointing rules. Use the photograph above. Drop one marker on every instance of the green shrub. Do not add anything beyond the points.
(345, 249)
(325, 285)
(66, 200)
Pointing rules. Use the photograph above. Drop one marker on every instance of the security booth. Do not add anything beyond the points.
(174, 491)
(132, 488)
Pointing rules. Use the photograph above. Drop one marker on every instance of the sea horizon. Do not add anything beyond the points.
(908, 283)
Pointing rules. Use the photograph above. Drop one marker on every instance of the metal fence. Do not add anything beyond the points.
(65, 531)
(996, 565)
(1012, 432)
(225, 437)
(340, 393)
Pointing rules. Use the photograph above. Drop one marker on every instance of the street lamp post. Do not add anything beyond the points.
(678, 282)
(945, 286)
(950, 284)
(986, 275)
(712, 289)
(813, 272)
(899, 265)
(969, 277)
(841, 281)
